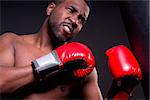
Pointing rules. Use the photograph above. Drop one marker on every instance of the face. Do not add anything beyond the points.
(67, 18)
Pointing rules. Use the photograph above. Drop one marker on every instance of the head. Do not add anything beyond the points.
(66, 18)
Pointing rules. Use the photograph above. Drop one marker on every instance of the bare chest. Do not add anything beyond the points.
(25, 54)
(57, 87)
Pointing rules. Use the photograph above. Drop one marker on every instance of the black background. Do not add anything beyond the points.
(103, 30)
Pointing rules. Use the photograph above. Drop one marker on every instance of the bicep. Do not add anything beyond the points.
(91, 90)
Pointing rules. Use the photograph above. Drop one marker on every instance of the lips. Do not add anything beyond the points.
(67, 28)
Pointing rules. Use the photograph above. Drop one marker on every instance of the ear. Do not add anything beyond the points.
(50, 7)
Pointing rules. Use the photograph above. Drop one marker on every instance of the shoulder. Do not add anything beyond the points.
(91, 80)
(8, 35)
(91, 89)
(9, 38)
(92, 77)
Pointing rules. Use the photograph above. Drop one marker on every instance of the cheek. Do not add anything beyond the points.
(77, 30)
(55, 18)
(80, 27)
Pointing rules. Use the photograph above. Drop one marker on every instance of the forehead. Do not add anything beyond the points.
(80, 5)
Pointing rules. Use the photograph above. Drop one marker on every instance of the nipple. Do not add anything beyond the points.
(62, 88)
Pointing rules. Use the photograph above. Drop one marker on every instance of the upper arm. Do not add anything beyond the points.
(91, 89)
(6, 50)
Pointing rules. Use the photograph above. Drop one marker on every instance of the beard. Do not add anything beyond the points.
(59, 34)
(57, 31)
(56, 35)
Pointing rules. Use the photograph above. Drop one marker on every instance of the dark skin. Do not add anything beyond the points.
(16, 76)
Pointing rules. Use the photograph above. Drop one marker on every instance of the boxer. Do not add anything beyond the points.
(43, 65)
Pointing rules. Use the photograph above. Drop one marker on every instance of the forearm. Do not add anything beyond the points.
(12, 78)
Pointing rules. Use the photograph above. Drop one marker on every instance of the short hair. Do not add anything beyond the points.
(59, 1)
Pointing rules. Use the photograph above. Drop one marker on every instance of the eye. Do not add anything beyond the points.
(70, 10)
(81, 20)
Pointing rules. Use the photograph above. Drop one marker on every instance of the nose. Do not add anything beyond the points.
(74, 21)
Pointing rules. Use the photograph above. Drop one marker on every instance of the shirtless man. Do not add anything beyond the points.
(64, 20)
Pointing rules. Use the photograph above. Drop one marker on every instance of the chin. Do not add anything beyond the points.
(62, 38)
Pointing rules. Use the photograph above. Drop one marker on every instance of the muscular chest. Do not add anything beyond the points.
(56, 87)
(25, 54)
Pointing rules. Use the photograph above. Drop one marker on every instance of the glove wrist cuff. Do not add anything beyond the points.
(45, 65)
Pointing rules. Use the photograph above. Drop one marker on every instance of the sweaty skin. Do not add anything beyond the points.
(18, 51)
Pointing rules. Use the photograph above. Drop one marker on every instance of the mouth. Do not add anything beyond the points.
(67, 28)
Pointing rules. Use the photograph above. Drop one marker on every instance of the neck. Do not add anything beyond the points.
(46, 38)
(41, 39)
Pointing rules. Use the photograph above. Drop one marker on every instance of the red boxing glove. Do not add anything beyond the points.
(77, 51)
(72, 53)
(125, 70)
(122, 63)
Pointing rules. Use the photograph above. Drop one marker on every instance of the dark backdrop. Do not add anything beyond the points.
(103, 30)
